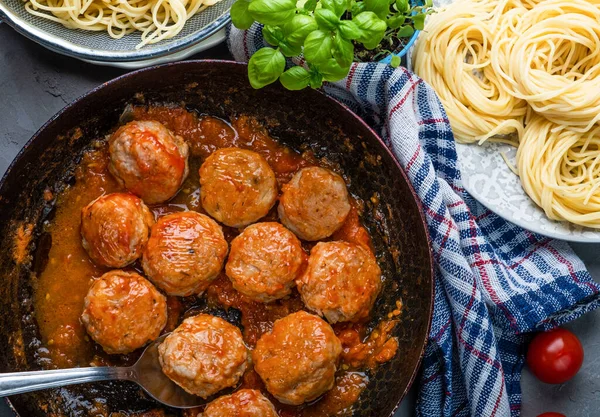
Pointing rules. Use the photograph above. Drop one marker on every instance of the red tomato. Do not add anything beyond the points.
(551, 415)
(555, 357)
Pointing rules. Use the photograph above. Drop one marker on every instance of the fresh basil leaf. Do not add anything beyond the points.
(240, 17)
(380, 7)
(272, 12)
(406, 32)
(289, 50)
(343, 51)
(402, 6)
(333, 71)
(296, 30)
(349, 30)
(358, 7)
(265, 67)
(317, 47)
(372, 29)
(326, 19)
(418, 21)
(316, 79)
(272, 34)
(396, 21)
(296, 78)
(395, 61)
(336, 6)
(428, 3)
(310, 5)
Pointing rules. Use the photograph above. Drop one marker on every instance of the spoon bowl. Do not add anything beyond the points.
(146, 372)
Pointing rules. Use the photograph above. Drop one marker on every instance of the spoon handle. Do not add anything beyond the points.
(20, 382)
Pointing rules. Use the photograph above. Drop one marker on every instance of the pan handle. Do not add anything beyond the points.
(21, 382)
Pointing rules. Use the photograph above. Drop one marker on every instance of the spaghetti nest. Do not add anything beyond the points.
(155, 19)
(526, 72)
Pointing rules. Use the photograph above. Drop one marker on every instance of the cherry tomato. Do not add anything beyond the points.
(555, 357)
(551, 415)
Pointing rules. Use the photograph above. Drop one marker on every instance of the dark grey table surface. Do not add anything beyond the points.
(35, 84)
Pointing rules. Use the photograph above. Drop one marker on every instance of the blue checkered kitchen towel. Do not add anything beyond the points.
(494, 281)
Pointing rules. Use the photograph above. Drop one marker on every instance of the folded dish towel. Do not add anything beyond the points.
(495, 282)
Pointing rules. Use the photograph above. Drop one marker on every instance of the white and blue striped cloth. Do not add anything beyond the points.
(495, 282)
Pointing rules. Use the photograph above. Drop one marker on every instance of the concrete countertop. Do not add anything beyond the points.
(35, 84)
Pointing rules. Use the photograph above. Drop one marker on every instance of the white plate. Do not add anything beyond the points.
(207, 43)
(489, 180)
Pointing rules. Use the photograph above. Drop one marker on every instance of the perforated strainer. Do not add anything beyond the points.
(99, 46)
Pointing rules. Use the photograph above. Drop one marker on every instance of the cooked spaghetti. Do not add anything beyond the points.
(525, 72)
(155, 19)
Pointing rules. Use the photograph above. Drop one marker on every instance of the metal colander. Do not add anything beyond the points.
(99, 46)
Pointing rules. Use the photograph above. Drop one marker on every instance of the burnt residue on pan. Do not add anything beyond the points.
(301, 120)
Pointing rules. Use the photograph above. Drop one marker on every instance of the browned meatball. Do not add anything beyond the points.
(185, 253)
(341, 282)
(115, 229)
(314, 204)
(237, 186)
(148, 160)
(297, 360)
(123, 311)
(264, 261)
(204, 355)
(244, 403)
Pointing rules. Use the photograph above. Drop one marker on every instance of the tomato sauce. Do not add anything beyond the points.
(61, 287)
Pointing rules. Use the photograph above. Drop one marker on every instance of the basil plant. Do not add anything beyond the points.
(324, 31)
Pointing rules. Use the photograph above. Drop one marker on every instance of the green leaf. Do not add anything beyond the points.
(358, 7)
(296, 78)
(343, 51)
(272, 34)
(296, 30)
(265, 67)
(418, 21)
(406, 32)
(428, 3)
(349, 30)
(396, 21)
(310, 5)
(402, 6)
(239, 14)
(317, 47)
(316, 79)
(380, 7)
(326, 19)
(395, 61)
(333, 71)
(290, 50)
(372, 29)
(336, 6)
(272, 12)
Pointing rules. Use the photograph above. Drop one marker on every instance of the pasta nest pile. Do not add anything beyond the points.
(527, 73)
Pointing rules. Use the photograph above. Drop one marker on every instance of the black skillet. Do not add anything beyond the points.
(302, 120)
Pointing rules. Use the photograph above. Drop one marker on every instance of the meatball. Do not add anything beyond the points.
(185, 253)
(264, 261)
(341, 282)
(314, 204)
(148, 160)
(237, 186)
(204, 355)
(123, 311)
(297, 360)
(115, 229)
(244, 403)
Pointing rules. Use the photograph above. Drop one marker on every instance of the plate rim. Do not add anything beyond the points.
(521, 223)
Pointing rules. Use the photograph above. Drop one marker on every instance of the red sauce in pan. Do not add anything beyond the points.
(63, 284)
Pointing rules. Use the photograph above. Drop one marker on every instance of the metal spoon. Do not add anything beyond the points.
(146, 372)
